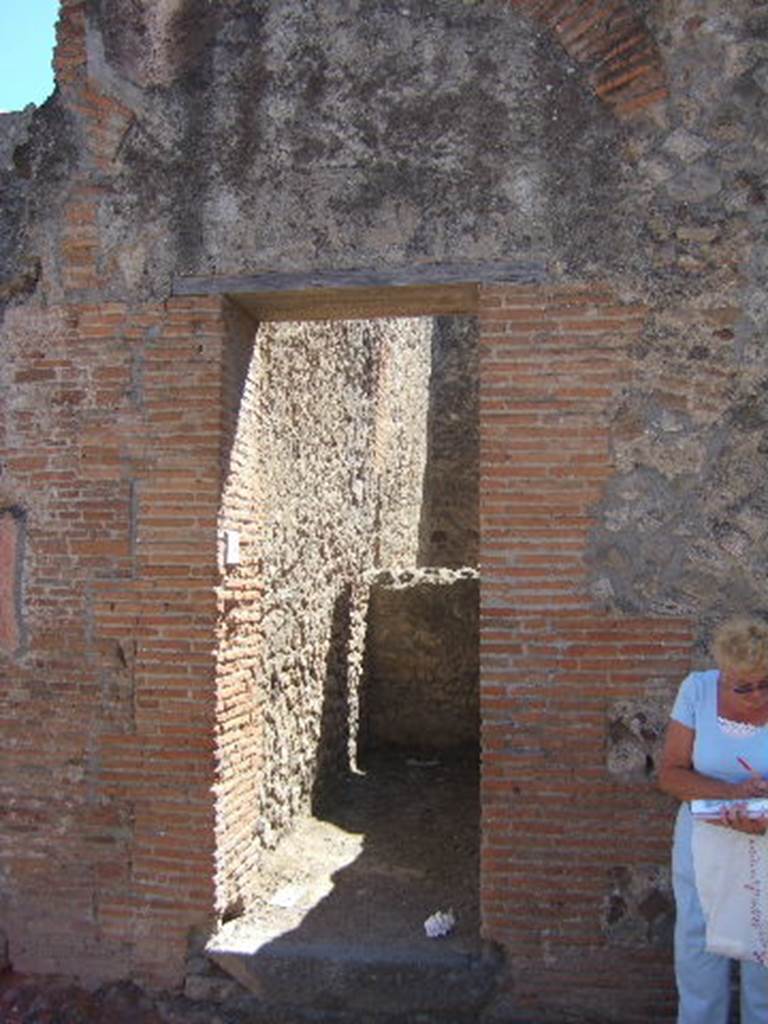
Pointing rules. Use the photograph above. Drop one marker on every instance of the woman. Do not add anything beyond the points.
(716, 747)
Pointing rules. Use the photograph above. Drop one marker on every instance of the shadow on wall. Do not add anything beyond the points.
(448, 528)
(336, 722)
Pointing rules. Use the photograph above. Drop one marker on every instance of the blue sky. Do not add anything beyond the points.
(26, 51)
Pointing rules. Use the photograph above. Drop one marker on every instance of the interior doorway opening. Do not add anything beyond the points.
(348, 809)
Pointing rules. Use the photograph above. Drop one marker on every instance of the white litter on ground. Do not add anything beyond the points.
(439, 924)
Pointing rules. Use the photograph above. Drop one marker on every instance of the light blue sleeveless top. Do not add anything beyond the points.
(718, 744)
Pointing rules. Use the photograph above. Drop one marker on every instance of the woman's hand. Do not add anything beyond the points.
(753, 786)
(737, 818)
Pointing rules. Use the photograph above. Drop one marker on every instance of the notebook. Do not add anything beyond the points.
(756, 807)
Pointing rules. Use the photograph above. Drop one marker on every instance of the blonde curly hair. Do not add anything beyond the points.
(741, 644)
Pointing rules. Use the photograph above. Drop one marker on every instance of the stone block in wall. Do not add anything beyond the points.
(639, 908)
(635, 736)
(421, 678)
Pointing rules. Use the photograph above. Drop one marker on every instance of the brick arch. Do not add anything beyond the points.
(612, 43)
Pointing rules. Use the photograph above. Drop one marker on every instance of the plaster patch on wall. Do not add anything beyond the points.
(12, 523)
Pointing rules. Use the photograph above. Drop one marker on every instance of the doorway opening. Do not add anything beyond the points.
(348, 722)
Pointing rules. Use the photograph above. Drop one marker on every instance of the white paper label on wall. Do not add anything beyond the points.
(231, 547)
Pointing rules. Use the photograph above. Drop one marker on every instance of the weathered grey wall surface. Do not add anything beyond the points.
(14, 131)
(37, 151)
(683, 522)
(401, 381)
(285, 136)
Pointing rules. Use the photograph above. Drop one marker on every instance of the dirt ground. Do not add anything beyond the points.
(53, 1001)
(390, 847)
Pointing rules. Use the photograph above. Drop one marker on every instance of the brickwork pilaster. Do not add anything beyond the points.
(556, 825)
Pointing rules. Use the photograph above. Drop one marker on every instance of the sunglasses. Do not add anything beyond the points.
(750, 687)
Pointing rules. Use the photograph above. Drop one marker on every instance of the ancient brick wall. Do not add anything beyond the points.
(106, 782)
(238, 728)
(111, 449)
(559, 827)
(622, 455)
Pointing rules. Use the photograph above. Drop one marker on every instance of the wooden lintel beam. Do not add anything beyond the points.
(359, 303)
(464, 272)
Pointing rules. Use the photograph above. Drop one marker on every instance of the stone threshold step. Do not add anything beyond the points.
(370, 976)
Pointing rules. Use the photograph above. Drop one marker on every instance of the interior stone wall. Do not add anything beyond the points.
(422, 660)
(400, 455)
(324, 474)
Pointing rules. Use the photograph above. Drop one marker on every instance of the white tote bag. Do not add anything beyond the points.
(731, 870)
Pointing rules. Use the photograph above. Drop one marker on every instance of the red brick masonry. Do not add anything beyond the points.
(554, 822)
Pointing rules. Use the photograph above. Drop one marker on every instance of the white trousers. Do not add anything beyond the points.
(703, 979)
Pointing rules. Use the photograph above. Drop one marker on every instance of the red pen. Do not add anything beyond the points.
(746, 765)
